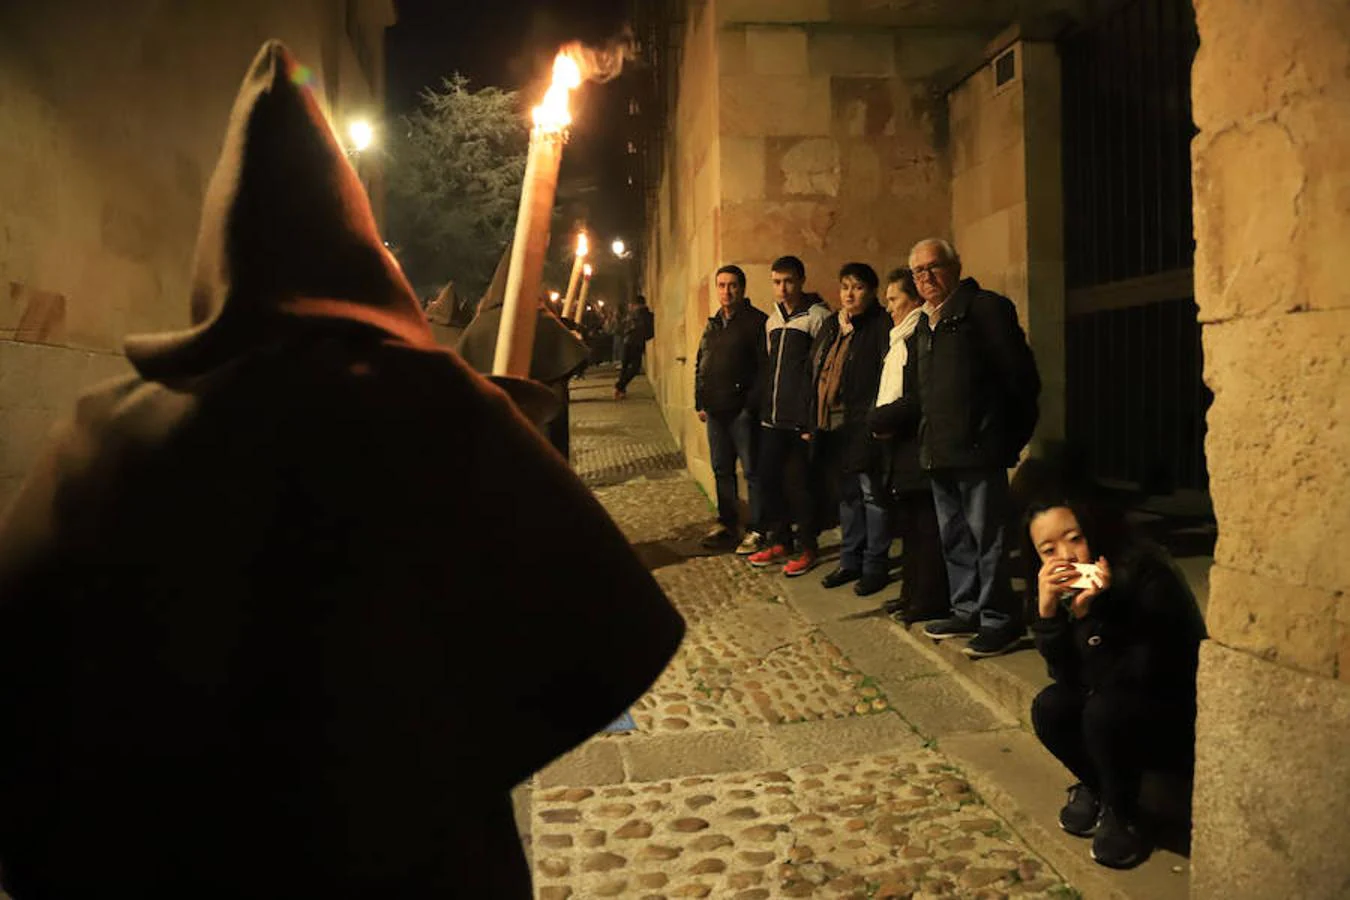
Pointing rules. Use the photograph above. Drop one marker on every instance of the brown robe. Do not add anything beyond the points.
(251, 643)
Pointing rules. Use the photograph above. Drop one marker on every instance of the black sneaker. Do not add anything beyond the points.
(950, 628)
(871, 583)
(1118, 843)
(840, 577)
(992, 642)
(720, 538)
(1079, 816)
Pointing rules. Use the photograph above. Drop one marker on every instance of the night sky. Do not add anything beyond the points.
(511, 44)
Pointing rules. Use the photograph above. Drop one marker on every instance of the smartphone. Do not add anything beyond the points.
(1089, 576)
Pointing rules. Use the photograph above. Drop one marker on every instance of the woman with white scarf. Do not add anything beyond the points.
(923, 578)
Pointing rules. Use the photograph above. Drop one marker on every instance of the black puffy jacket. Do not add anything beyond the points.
(1142, 633)
(732, 355)
(977, 384)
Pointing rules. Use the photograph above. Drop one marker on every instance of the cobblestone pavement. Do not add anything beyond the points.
(765, 763)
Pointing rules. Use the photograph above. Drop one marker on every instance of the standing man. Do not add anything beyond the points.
(731, 358)
(638, 330)
(787, 406)
(977, 392)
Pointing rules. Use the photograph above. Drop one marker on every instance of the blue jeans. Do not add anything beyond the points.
(973, 510)
(732, 436)
(865, 522)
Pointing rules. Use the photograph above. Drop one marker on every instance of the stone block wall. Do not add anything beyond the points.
(1007, 201)
(830, 151)
(1271, 90)
(111, 117)
(683, 229)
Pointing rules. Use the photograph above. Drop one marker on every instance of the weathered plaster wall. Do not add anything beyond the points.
(831, 148)
(1007, 202)
(1271, 89)
(111, 117)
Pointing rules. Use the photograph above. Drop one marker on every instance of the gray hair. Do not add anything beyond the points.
(946, 252)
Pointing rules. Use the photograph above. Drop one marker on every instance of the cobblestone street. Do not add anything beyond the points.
(774, 757)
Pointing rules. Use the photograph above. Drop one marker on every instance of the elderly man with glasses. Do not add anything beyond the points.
(976, 405)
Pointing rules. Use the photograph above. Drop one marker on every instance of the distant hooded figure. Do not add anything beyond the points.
(558, 355)
(250, 647)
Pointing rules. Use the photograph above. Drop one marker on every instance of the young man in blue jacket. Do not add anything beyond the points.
(787, 404)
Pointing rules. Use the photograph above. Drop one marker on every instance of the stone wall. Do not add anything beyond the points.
(1007, 200)
(683, 229)
(1271, 89)
(111, 117)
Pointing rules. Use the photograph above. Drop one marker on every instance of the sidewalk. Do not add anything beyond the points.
(799, 745)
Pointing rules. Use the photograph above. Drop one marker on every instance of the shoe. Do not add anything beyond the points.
(1079, 816)
(753, 542)
(992, 642)
(871, 584)
(801, 565)
(620, 395)
(768, 556)
(955, 626)
(720, 538)
(840, 577)
(1118, 844)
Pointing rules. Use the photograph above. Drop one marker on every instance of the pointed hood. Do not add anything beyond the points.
(286, 231)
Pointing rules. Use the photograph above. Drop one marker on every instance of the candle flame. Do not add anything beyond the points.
(586, 270)
(583, 245)
(553, 114)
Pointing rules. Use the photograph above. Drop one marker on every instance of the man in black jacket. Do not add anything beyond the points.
(846, 361)
(977, 393)
(731, 358)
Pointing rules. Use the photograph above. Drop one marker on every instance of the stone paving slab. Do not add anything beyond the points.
(1016, 776)
(884, 826)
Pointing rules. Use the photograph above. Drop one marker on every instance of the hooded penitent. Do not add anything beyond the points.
(264, 631)
(557, 354)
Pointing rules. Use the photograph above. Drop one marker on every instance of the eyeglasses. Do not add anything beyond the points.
(928, 270)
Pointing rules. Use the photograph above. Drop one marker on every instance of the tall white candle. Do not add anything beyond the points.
(524, 276)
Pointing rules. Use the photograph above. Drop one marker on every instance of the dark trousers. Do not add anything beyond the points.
(733, 436)
(557, 430)
(631, 365)
(923, 571)
(1107, 738)
(973, 510)
(864, 520)
(784, 461)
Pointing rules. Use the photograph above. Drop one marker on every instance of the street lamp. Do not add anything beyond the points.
(361, 133)
(618, 247)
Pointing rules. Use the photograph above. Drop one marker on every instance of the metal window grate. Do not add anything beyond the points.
(1126, 145)
(1134, 397)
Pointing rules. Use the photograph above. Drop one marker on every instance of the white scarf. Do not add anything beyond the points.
(893, 370)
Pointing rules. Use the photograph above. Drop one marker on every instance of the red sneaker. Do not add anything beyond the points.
(801, 565)
(768, 556)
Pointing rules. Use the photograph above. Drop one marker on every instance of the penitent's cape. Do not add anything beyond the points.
(289, 612)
